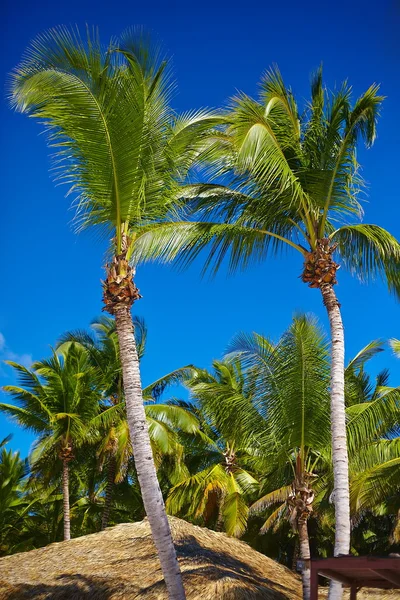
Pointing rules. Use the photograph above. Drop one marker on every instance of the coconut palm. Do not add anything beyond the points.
(114, 448)
(57, 400)
(217, 486)
(295, 184)
(123, 151)
(288, 384)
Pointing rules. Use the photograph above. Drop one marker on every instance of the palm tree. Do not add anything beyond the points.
(373, 424)
(114, 448)
(123, 150)
(288, 384)
(294, 184)
(57, 400)
(217, 485)
(13, 470)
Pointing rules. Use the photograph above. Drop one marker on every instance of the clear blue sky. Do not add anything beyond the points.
(51, 277)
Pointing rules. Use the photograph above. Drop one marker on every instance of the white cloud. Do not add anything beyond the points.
(7, 354)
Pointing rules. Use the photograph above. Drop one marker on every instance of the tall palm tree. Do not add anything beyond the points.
(57, 400)
(123, 150)
(294, 184)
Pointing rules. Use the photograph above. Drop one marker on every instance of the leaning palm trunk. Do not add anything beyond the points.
(119, 295)
(320, 272)
(111, 469)
(65, 491)
(339, 438)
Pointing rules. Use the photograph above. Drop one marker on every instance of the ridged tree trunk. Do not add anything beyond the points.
(219, 526)
(338, 429)
(296, 555)
(304, 549)
(112, 464)
(65, 492)
(143, 456)
(119, 294)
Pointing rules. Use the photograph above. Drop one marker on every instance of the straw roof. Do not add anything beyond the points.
(121, 563)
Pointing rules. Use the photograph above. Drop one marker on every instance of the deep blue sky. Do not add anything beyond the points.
(50, 276)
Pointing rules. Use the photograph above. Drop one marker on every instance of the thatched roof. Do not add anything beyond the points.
(121, 563)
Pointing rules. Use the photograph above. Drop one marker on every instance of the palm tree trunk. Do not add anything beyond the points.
(296, 555)
(338, 430)
(143, 456)
(65, 491)
(304, 547)
(109, 491)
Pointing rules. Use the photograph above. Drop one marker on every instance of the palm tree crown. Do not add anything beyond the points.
(57, 398)
(121, 147)
(294, 181)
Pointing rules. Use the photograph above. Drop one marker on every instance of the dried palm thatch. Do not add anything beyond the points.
(121, 563)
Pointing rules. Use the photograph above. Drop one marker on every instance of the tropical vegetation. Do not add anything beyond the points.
(294, 183)
(245, 448)
(123, 151)
(278, 436)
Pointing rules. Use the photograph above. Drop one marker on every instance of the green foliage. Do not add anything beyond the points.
(56, 399)
(226, 459)
(119, 145)
(292, 178)
(12, 501)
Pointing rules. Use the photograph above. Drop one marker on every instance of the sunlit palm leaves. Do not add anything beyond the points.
(293, 178)
(119, 145)
(57, 398)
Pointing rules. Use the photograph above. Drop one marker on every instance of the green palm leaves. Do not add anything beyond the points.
(13, 469)
(119, 145)
(256, 429)
(288, 384)
(56, 398)
(265, 407)
(294, 179)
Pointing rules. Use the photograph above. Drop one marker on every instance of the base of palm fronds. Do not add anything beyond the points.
(119, 289)
(319, 266)
(66, 453)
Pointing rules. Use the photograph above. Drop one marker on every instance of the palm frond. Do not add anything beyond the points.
(274, 497)
(154, 391)
(369, 351)
(370, 251)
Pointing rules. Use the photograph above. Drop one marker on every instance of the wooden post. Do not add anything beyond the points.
(353, 592)
(314, 582)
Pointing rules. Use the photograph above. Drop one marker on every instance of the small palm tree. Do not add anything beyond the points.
(217, 487)
(288, 384)
(373, 424)
(124, 151)
(103, 351)
(164, 420)
(295, 184)
(57, 400)
(13, 470)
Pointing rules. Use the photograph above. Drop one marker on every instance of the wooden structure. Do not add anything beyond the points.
(355, 572)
